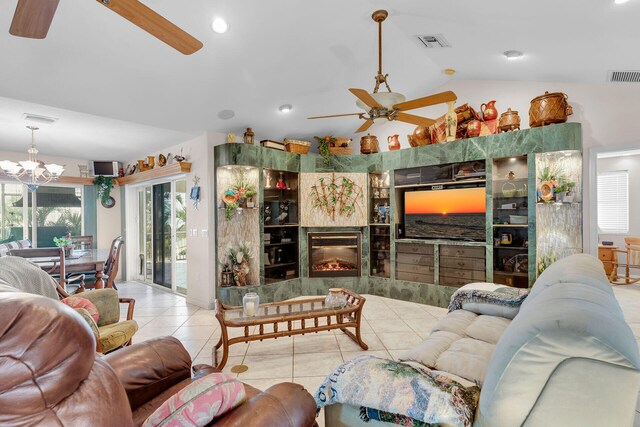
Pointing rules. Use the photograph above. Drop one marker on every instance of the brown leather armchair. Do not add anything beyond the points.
(46, 378)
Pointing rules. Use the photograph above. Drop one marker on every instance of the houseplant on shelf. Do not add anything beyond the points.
(323, 147)
(104, 184)
(236, 195)
(239, 259)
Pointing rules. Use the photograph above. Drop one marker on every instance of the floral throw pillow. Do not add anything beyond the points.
(200, 402)
(79, 302)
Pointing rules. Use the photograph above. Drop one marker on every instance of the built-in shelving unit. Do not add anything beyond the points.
(280, 237)
(439, 265)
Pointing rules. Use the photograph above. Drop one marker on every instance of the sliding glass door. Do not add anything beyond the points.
(162, 235)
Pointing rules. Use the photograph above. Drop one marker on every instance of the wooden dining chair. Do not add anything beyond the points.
(83, 242)
(53, 262)
(111, 265)
(631, 262)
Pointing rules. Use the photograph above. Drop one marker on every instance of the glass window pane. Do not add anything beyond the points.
(181, 236)
(11, 218)
(58, 212)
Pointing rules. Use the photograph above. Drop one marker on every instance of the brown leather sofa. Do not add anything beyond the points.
(50, 375)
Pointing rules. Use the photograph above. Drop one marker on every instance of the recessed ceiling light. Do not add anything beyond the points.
(620, 1)
(219, 25)
(513, 54)
(226, 114)
(449, 71)
(286, 108)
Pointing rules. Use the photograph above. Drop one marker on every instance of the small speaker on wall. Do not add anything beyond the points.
(399, 231)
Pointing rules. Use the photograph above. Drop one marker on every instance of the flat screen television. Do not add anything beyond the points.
(457, 213)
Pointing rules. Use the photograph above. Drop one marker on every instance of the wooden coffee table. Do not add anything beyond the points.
(277, 319)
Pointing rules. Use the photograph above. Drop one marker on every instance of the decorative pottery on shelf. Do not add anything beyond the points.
(546, 191)
(394, 142)
(421, 136)
(489, 111)
(369, 144)
(473, 128)
(509, 120)
(549, 108)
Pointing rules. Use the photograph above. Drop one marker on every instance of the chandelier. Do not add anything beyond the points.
(33, 172)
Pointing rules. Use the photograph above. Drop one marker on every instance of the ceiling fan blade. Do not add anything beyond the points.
(366, 125)
(32, 18)
(365, 97)
(438, 98)
(335, 115)
(154, 24)
(414, 120)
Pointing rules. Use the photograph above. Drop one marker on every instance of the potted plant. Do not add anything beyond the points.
(564, 190)
(236, 196)
(323, 147)
(104, 184)
(64, 242)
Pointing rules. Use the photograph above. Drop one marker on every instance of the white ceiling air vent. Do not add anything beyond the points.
(624, 76)
(41, 120)
(434, 40)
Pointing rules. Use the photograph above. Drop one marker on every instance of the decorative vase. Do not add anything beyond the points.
(250, 304)
(451, 123)
(335, 299)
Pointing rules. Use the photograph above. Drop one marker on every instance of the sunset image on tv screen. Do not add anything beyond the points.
(457, 213)
(444, 202)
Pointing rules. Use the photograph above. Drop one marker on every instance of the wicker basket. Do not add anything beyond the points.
(549, 108)
(297, 147)
(509, 189)
(340, 150)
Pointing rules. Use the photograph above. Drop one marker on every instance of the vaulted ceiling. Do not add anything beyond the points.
(113, 75)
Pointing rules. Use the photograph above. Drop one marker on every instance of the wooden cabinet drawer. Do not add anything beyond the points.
(415, 268)
(470, 275)
(414, 249)
(414, 277)
(605, 255)
(462, 251)
(463, 263)
(456, 282)
(415, 259)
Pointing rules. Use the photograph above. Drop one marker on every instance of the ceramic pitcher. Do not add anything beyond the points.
(489, 111)
(394, 142)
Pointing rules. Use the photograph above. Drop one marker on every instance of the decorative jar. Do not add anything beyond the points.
(335, 299)
(250, 304)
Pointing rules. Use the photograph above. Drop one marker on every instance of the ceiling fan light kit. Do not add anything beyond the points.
(33, 18)
(389, 105)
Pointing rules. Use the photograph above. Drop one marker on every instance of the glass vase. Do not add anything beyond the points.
(250, 304)
(335, 299)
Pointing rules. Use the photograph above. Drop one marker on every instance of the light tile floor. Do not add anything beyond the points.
(389, 327)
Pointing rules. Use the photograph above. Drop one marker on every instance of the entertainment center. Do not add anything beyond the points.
(413, 224)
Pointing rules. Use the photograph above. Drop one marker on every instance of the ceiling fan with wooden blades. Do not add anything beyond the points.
(33, 18)
(390, 105)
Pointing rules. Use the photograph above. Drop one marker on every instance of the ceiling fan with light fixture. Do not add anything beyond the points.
(32, 19)
(390, 105)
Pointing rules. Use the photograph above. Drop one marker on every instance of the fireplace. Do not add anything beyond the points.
(334, 254)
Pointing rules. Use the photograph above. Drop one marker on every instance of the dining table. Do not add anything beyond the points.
(79, 261)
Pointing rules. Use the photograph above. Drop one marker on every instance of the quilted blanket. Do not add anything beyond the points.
(507, 296)
(399, 393)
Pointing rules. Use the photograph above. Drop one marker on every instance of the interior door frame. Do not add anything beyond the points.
(593, 189)
(132, 222)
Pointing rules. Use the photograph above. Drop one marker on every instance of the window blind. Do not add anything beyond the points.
(613, 202)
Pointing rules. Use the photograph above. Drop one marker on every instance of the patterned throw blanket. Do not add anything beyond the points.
(399, 393)
(507, 296)
(27, 277)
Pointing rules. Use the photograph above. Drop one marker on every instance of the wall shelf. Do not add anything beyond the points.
(157, 172)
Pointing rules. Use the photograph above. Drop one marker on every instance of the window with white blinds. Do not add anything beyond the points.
(613, 202)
